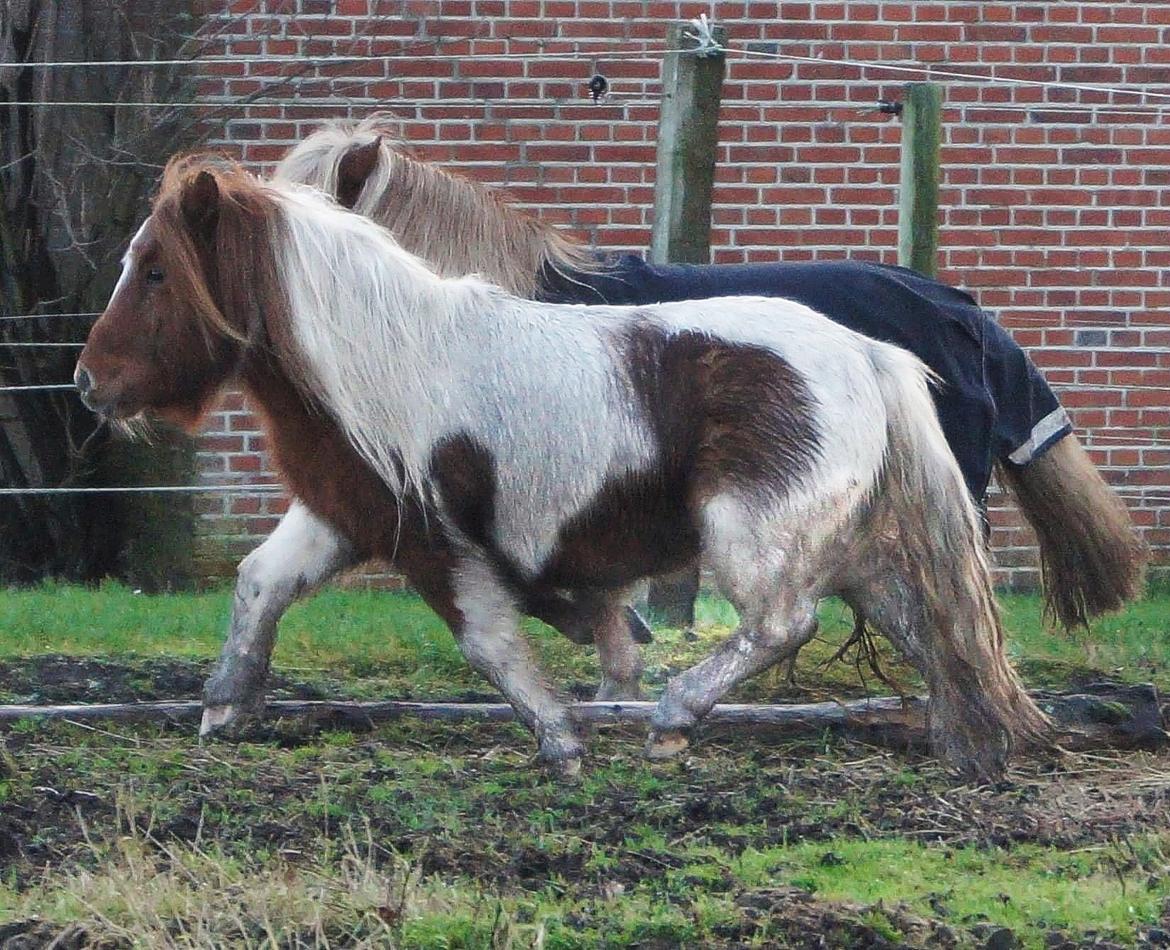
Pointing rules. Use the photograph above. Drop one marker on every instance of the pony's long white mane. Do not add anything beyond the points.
(404, 359)
(375, 327)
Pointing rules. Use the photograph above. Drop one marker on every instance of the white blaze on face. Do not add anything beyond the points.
(136, 244)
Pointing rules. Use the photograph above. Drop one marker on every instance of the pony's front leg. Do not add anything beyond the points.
(302, 553)
(488, 633)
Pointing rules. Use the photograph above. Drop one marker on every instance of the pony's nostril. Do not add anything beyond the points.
(82, 380)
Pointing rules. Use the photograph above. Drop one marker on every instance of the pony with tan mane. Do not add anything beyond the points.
(1092, 560)
(501, 449)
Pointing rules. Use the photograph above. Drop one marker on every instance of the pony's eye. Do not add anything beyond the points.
(154, 275)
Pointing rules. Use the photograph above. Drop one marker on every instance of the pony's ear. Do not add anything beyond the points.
(353, 170)
(199, 202)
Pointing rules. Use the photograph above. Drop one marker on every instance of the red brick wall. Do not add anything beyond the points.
(1053, 213)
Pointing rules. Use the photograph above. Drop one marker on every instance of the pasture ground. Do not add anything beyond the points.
(438, 835)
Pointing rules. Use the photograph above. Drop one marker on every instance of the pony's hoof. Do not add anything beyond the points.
(665, 745)
(561, 753)
(216, 719)
(564, 765)
(223, 722)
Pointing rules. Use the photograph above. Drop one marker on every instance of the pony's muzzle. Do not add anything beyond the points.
(87, 389)
(83, 380)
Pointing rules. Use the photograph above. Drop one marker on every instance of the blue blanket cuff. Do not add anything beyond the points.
(1045, 433)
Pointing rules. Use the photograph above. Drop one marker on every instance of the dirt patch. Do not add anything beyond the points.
(776, 916)
(54, 678)
(801, 921)
(466, 801)
(1066, 804)
(471, 819)
(39, 935)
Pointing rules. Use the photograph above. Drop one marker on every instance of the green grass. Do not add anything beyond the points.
(350, 627)
(356, 629)
(1131, 645)
(394, 640)
(411, 834)
(1025, 888)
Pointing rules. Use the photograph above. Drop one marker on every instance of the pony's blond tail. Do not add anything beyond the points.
(978, 708)
(1091, 558)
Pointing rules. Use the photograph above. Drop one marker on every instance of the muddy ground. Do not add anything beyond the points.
(730, 793)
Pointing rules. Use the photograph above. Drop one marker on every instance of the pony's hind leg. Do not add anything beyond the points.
(977, 705)
(300, 555)
(760, 641)
(488, 633)
(757, 644)
(602, 620)
(772, 588)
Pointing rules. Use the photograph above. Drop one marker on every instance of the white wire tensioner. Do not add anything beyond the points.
(705, 37)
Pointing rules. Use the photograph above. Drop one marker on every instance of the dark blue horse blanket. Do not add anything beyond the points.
(993, 403)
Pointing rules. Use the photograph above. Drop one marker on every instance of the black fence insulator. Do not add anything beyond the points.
(598, 87)
(889, 107)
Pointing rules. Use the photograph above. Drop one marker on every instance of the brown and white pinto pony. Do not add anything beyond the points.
(500, 449)
(1093, 561)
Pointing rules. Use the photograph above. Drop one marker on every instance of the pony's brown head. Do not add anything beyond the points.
(189, 302)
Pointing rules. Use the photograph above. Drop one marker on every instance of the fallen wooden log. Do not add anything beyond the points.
(1094, 716)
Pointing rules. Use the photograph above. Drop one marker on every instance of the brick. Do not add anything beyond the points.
(1056, 217)
(1093, 156)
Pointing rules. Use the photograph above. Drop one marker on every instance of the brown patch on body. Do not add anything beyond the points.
(634, 528)
(464, 473)
(723, 414)
(721, 411)
(637, 526)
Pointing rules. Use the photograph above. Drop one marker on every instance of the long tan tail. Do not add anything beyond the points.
(1091, 558)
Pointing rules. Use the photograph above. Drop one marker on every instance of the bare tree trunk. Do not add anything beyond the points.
(74, 183)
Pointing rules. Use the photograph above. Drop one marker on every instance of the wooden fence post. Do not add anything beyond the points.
(688, 137)
(918, 203)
